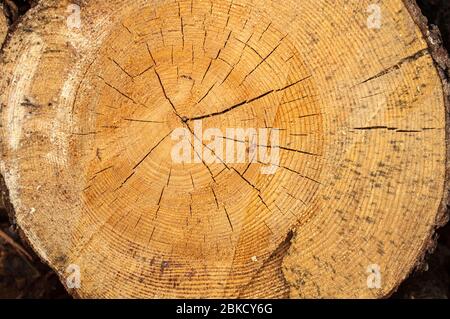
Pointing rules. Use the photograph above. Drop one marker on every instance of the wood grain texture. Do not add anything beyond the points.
(87, 116)
(3, 26)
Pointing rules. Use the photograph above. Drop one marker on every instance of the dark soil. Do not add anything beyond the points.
(22, 275)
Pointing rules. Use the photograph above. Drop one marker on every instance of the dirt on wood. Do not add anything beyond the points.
(3, 25)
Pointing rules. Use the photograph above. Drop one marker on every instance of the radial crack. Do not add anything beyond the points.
(200, 117)
(151, 150)
(397, 66)
(228, 217)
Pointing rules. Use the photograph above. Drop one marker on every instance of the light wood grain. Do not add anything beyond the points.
(87, 116)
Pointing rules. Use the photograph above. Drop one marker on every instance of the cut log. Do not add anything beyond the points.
(3, 26)
(244, 148)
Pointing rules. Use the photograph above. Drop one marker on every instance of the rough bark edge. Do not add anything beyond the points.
(432, 35)
(20, 25)
(15, 25)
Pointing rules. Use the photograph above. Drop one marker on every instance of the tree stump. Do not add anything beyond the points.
(338, 107)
